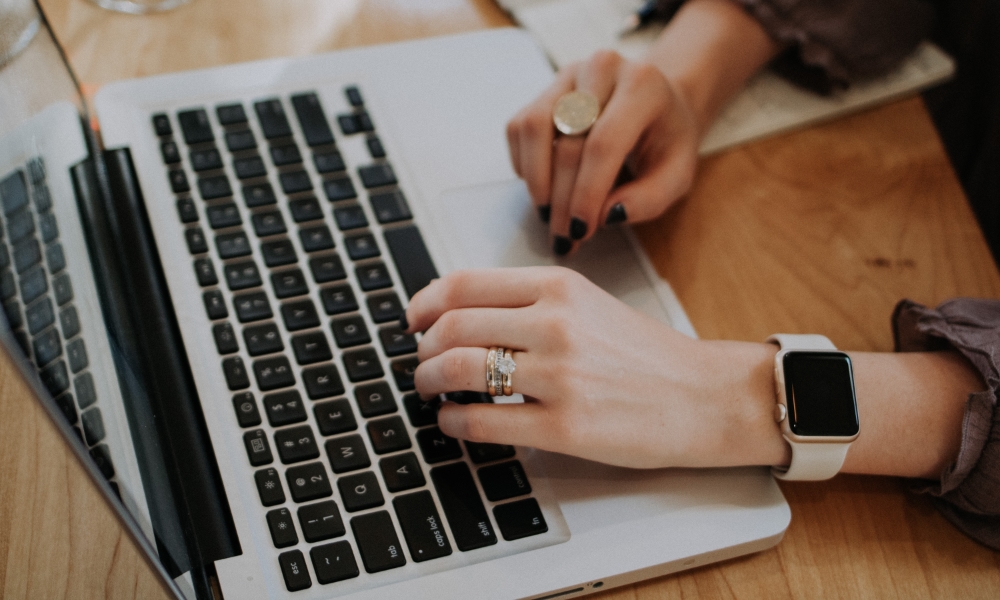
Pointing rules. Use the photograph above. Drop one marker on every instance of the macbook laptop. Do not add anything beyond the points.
(203, 280)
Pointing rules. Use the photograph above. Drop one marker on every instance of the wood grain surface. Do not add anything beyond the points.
(821, 230)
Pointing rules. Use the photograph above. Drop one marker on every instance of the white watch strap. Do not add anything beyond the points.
(805, 341)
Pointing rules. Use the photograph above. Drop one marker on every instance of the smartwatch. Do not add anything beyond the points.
(817, 409)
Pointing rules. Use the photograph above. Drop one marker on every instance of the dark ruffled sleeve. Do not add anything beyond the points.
(968, 492)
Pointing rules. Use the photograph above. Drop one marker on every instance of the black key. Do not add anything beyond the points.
(329, 161)
(205, 160)
(47, 227)
(232, 245)
(39, 316)
(252, 307)
(359, 492)
(27, 254)
(384, 307)
(260, 194)
(195, 126)
(278, 253)
(320, 521)
(8, 285)
(76, 354)
(401, 472)
(22, 341)
(14, 192)
(279, 521)
(47, 347)
(334, 562)
(316, 238)
(102, 458)
(67, 407)
(293, 569)
(350, 331)
(362, 365)
(211, 188)
(284, 408)
(375, 147)
(261, 339)
(312, 119)
(388, 435)
(258, 450)
(223, 215)
(230, 114)
(272, 118)
(364, 121)
(242, 275)
(205, 272)
(338, 299)
(470, 525)
(520, 519)
(69, 322)
(170, 153)
(245, 406)
(249, 167)
(83, 385)
(296, 444)
(187, 211)
(377, 175)
(504, 481)
(268, 223)
(215, 305)
(390, 206)
(286, 154)
(196, 242)
(421, 413)
(348, 124)
(42, 198)
(413, 262)
(436, 446)
(269, 487)
(178, 181)
(20, 225)
(347, 453)
(299, 315)
(13, 310)
(322, 382)
(240, 140)
(335, 417)
(374, 276)
(294, 182)
(289, 283)
(361, 246)
(161, 124)
(327, 268)
(395, 342)
(311, 348)
(273, 373)
(56, 378)
(483, 453)
(236, 373)
(377, 542)
(422, 526)
(350, 217)
(375, 399)
(308, 482)
(62, 289)
(403, 370)
(36, 170)
(354, 96)
(305, 209)
(339, 188)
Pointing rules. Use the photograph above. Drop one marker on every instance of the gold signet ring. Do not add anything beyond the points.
(575, 112)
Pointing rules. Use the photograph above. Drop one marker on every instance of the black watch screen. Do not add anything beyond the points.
(819, 388)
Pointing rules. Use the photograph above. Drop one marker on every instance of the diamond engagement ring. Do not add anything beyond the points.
(506, 367)
(499, 371)
(575, 112)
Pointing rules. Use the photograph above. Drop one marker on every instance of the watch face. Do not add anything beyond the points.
(819, 387)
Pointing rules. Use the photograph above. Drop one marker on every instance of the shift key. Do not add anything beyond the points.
(470, 524)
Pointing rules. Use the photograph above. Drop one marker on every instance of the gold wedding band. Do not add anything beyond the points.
(575, 112)
(491, 363)
(506, 367)
(500, 367)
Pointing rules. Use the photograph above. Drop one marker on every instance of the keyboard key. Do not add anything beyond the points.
(13, 310)
(390, 206)
(334, 562)
(320, 521)
(262, 339)
(83, 386)
(354, 96)
(377, 542)
(39, 316)
(196, 242)
(350, 217)
(232, 245)
(242, 275)
(483, 453)
(269, 487)
(388, 435)
(293, 569)
(316, 238)
(348, 124)
(312, 119)
(205, 272)
(416, 269)
(14, 192)
(230, 114)
(76, 355)
(361, 246)
(347, 453)
(245, 406)
(384, 307)
(401, 472)
(187, 211)
(240, 140)
(329, 161)
(42, 197)
(8, 285)
(395, 342)
(335, 417)
(308, 482)
(27, 254)
(286, 154)
(69, 322)
(20, 225)
(294, 182)
(373, 276)
(322, 382)
(62, 289)
(211, 188)
(67, 407)
(178, 181)
(93, 426)
(268, 223)
(36, 170)
(299, 315)
(377, 175)
(47, 227)
(375, 399)
(436, 446)
(422, 526)
(327, 268)
(520, 519)
(205, 160)
(258, 450)
(289, 283)
(360, 492)
(47, 347)
(278, 253)
(279, 521)
(236, 373)
(350, 331)
(102, 458)
(504, 481)
(339, 188)
(402, 371)
(169, 152)
(470, 525)
(362, 365)
(223, 215)
(375, 147)
(259, 194)
(249, 167)
(273, 121)
(161, 124)
(252, 307)
(338, 299)
(195, 126)
(296, 444)
(311, 348)
(420, 413)
(305, 209)
(284, 408)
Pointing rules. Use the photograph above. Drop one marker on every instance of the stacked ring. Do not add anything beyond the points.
(491, 381)
(500, 368)
(506, 368)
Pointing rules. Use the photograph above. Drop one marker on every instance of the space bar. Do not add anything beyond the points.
(411, 257)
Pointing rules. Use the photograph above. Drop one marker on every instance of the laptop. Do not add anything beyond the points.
(202, 282)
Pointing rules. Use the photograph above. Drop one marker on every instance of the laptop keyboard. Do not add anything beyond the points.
(300, 270)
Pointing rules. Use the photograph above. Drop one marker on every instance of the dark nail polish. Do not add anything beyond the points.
(562, 245)
(616, 215)
(544, 213)
(403, 324)
(577, 229)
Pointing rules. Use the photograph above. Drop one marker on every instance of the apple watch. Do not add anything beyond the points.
(817, 409)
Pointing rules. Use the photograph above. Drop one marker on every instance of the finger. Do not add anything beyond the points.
(643, 199)
(535, 135)
(515, 424)
(464, 369)
(480, 327)
(566, 152)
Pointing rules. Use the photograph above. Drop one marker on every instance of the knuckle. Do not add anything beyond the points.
(604, 61)
(598, 145)
(535, 124)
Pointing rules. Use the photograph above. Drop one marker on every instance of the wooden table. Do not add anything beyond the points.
(817, 231)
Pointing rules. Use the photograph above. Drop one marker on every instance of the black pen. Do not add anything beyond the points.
(640, 18)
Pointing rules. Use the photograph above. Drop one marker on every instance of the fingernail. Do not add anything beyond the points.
(562, 245)
(544, 213)
(577, 229)
(616, 215)
(403, 323)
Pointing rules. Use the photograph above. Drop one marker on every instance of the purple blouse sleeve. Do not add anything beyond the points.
(968, 492)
